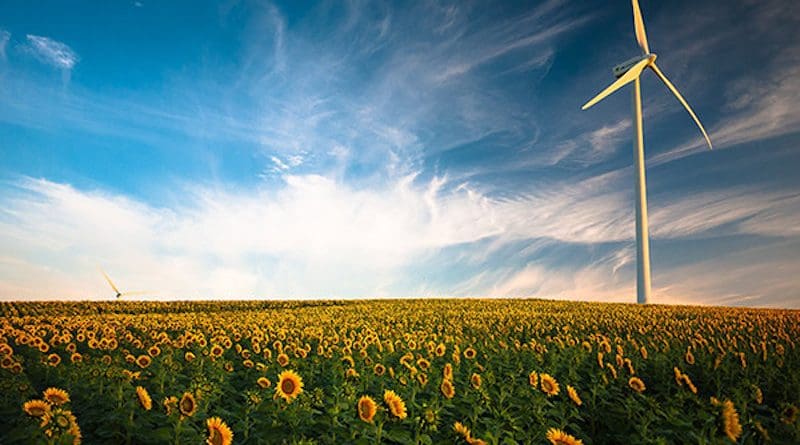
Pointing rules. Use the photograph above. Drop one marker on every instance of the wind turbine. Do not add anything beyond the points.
(120, 294)
(627, 72)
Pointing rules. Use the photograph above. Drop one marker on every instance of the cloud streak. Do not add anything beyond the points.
(5, 36)
(52, 52)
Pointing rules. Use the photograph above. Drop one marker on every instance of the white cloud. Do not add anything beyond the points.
(315, 237)
(5, 36)
(52, 52)
(318, 237)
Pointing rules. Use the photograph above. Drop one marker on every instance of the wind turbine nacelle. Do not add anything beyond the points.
(623, 67)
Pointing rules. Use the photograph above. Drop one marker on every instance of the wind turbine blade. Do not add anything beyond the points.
(638, 27)
(111, 283)
(626, 78)
(682, 101)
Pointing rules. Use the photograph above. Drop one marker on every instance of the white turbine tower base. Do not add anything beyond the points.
(627, 72)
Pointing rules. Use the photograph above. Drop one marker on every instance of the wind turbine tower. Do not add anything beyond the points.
(627, 72)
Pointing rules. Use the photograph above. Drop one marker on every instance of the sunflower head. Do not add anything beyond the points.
(729, 419)
(475, 380)
(283, 359)
(170, 404)
(143, 361)
(469, 353)
(558, 437)
(187, 405)
(395, 403)
(636, 384)
(53, 359)
(789, 414)
(36, 408)
(144, 398)
(549, 385)
(56, 396)
(289, 386)
(448, 372)
(447, 389)
(461, 430)
(573, 395)
(218, 432)
(367, 409)
(533, 379)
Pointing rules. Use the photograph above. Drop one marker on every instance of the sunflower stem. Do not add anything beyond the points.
(379, 432)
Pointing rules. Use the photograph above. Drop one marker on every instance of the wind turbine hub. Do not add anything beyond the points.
(623, 67)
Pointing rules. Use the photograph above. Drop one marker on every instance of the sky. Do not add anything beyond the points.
(369, 149)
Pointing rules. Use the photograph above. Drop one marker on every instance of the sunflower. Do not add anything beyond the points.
(36, 408)
(283, 359)
(636, 384)
(367, 409)
(612, 370)
(143, 361)
(423, 364)
(558, 437)
(758, 396)
(264, 382)
(462, 430)
(469, 353)
(396, 404)
(56, 396)
(187, 405)
(170, 404)
(533, 379)
(218, 432)
(447, 389)
(678, 375)
(144, 398)
(789, 414)
(53, 359)
(289, 386)
(688, 381)
(549, 385)
(448, 372)
(475, 380)
(730, 420)
(573, 395)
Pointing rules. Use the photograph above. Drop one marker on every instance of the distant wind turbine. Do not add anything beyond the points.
(627, 72)
(120, 294)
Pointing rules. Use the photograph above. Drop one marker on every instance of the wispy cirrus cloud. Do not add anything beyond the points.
(5, 36)
(51, 52)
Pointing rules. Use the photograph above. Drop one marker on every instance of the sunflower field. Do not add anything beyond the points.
(466, 371)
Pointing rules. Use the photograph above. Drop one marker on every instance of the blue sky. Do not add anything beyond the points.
(378, 149)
